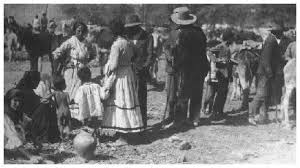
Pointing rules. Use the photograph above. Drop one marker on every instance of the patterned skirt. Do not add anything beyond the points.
(122, 109)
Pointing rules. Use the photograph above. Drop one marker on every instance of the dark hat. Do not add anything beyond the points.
(182, 16)
(132, 20)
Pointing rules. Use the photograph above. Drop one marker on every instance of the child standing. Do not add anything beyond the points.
(89, 96)
(62, 102)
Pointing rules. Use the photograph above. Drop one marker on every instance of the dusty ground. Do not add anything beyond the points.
(231, 142)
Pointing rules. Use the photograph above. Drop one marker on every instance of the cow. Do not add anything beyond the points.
(289, 72)
(158, 40)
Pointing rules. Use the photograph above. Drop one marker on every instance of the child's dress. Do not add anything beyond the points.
(88, 102)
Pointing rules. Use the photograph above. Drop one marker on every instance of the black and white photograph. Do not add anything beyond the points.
(142, 83)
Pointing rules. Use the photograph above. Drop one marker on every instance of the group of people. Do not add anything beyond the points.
(187, 69)
(119, 99)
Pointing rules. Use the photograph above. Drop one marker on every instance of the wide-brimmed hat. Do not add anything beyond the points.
(52, 24)
(272, 27)
(132, 20)
(182, 16)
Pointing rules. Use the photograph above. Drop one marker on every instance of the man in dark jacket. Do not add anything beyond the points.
(278, 80)
(142, 60)
(269, 62)
(190, 65)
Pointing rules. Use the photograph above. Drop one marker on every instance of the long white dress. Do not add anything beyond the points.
(122, 109)
(79, 56)
(12, 138)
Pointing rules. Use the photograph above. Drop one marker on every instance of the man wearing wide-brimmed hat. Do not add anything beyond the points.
(278, 79)
(190, 66)
(143, 43)
(269, 62)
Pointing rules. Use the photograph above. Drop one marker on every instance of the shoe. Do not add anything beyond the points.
(195, 124)
(119, 142)
(173, 125)
(251, 121)
(263, 119)
(218, 117)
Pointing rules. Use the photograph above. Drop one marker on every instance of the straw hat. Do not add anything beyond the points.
(52, 24)
(182, 16)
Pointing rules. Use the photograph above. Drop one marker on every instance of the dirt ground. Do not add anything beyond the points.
(231, 142)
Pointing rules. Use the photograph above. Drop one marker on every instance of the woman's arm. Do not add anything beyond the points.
(113, 59)
(62, 49)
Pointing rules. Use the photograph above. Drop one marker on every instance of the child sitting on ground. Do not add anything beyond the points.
(62, 102)
(89, 96)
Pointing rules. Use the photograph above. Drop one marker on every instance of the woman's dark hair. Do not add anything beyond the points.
(59, 82)
(117, 26)
(12, 93)
(84, 74)
(84, 27)
(15, 116)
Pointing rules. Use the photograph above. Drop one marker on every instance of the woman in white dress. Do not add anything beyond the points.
(76, 53)
(122, 110)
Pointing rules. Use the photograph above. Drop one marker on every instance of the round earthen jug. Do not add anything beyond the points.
(85, 145)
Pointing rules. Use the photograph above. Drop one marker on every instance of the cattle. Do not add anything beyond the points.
(158, 40)
(289, 72)
(244, 72)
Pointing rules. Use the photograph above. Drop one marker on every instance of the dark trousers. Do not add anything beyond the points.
(142, 92)
(260, 100)
(171, 85)
(190, 87)
(215, 95)
(34, 59)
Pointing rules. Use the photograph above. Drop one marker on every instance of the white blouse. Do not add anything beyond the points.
(77, 50)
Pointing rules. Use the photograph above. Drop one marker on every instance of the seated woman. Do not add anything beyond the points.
(41, 110)
(14, 122)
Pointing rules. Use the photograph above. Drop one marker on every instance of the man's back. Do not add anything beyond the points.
(44, 21)
(191, 49)
(270, 56)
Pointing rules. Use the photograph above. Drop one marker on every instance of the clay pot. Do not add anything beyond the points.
(85, 145)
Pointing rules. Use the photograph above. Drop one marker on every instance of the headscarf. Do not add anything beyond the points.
(28, 80)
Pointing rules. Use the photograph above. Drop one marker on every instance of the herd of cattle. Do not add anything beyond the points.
(246, 57)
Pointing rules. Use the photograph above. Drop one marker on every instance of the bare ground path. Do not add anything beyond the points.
(230, 142)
